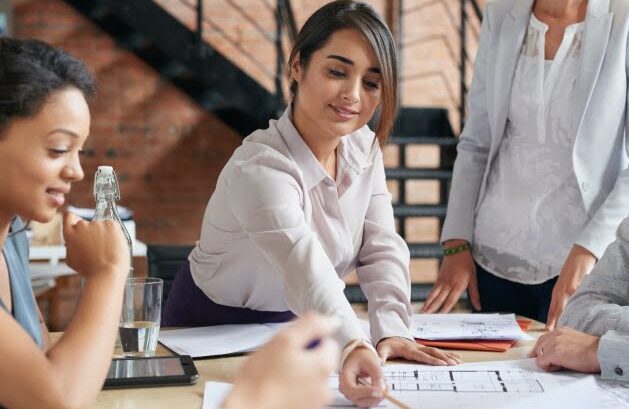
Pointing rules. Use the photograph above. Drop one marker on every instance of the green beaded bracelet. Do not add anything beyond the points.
(458, 249)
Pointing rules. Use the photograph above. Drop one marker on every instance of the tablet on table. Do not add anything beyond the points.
(153, 371)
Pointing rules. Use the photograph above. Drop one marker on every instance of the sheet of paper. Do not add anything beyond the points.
(466, 326)
(214, 394)
(518, 384)
(612, 394)
(218, 340)
(582, 393)
(616, 394)
(489, 384)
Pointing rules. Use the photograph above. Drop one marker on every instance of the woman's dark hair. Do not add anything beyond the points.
(30, 72)
(349, 14)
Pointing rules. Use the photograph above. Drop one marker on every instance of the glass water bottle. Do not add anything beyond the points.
(107, 193)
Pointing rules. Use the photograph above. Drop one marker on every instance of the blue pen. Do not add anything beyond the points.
(314, 343)
(336, 322)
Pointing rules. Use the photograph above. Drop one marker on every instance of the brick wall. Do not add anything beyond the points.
(168, 152)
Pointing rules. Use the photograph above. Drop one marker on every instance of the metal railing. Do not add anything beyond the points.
(464, 54)
(285, 20)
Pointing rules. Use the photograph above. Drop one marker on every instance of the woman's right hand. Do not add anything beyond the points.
(95, 248)
(362, 363)
(288, 372)
(457, 273)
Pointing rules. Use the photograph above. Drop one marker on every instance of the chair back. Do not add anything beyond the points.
(164, 262)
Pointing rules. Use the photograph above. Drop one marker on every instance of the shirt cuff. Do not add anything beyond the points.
(388, 325)
(613, 357)
(349, 331)
(592, 243)
(353, 345)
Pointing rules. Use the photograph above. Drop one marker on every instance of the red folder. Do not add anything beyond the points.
(476, 344)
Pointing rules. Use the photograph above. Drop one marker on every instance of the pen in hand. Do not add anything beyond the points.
(314, 343)
(386, 394)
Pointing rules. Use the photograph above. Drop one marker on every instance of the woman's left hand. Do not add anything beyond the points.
(398, 347)
(578, 264)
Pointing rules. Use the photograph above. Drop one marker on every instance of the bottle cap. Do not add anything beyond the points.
(107, 170)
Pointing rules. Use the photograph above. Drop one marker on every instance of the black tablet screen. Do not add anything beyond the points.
(144, 368)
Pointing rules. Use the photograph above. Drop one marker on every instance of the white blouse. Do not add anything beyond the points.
(533, 210)
(279, 234)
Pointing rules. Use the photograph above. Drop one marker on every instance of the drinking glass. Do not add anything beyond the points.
(141, 315)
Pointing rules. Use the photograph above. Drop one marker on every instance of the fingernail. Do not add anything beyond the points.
(452, 362)
(377, 394)
(382, 384)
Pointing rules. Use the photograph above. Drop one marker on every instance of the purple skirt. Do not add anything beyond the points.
(188, 306)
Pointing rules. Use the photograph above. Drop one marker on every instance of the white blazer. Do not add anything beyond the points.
(600, 155)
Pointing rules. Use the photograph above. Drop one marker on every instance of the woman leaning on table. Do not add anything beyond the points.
(44, 122)
(304, 202)
(540, 181)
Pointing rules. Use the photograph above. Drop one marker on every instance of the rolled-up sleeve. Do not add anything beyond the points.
(383, 262)
(267, 200)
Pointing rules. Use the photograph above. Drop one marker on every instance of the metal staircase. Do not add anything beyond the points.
(180, 55)
(419, 126)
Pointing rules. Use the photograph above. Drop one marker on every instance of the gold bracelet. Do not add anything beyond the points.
(454, 250)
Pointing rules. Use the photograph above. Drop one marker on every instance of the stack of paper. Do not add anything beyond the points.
(482, 332)
(218, 340)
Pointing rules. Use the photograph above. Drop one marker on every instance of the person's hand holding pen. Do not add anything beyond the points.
(292, 370)
(362, 380)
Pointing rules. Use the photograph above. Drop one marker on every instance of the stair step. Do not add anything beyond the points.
(423, 121)
(419, 210)
(425, 250)
(412, 173)
(423, 140)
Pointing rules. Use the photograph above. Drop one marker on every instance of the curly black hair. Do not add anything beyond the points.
(31, 71)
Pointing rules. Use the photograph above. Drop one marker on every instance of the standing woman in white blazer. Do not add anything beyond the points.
(540, 181)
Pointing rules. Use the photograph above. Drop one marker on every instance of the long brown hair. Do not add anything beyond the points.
(344, 14)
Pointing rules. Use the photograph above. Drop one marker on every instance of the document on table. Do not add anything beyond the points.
(518, 384)
(214, 394)
(502, 384)
(218, 340)
(612, 394)
(616, 394)
(438, 327)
